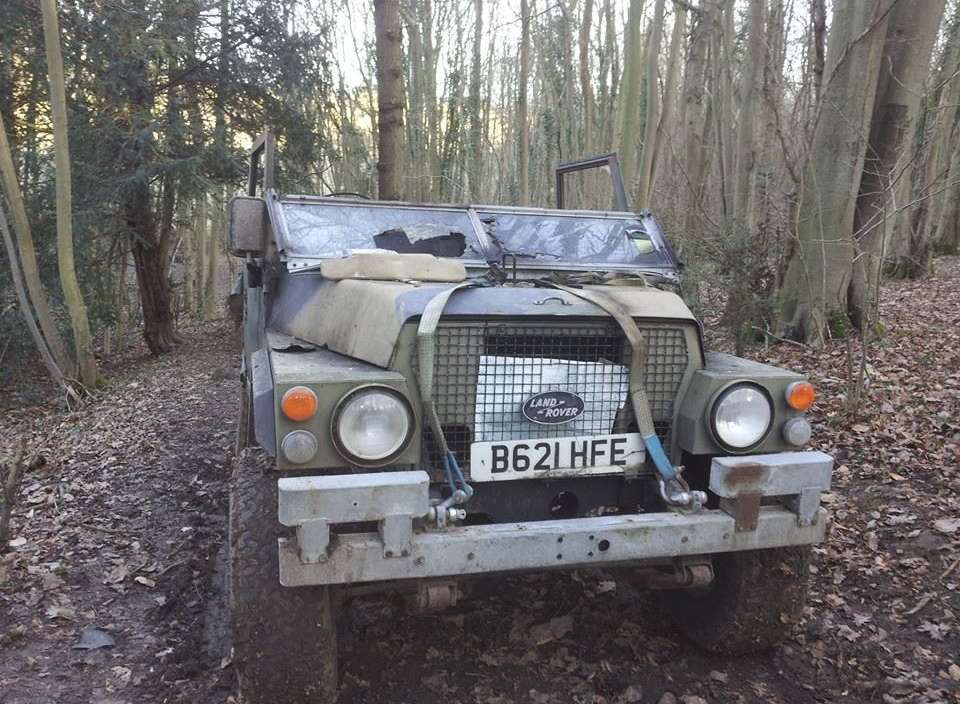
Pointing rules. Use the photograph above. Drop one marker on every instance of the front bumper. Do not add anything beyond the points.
(397, 551)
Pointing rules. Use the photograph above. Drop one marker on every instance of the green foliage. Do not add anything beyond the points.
(838, 324)
(164, 98)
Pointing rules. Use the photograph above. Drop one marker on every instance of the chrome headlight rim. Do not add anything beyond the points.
(718, 398)
(338, 413)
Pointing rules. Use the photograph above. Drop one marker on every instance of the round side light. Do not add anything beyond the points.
(299, 447)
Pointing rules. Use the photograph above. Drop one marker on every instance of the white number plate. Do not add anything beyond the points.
(554, 457)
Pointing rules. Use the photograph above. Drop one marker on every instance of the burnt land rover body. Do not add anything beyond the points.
(433, 393)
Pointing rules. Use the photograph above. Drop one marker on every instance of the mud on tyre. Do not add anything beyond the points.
(756, 598)
(284, 640)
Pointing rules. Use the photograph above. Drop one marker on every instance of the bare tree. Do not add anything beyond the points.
(745, 165)
(916, 233)
(28, 257)
(522, 119)
(586, 83)
(474, 143)
(628, 110)
(38, 340)
(645, 169)
(390, 99)
(73, 297)
(695, 104)
(815, 290)
(885, 185)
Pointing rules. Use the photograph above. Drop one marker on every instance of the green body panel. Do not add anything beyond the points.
(692, 428)
(331, 376)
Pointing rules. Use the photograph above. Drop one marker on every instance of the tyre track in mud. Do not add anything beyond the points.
(120, 531)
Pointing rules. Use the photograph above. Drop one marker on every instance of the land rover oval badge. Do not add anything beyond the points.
(552, 407)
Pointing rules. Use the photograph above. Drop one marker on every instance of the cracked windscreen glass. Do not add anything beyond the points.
(335, 229)
(540, 238)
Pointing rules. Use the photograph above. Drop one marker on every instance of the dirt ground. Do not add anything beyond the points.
(117, 541)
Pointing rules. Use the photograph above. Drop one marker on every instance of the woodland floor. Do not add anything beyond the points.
(121, 530)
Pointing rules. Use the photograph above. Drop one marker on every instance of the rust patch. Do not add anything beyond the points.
(746, 476)
(747, 510)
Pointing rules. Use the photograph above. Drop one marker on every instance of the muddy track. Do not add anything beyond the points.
(123, 529)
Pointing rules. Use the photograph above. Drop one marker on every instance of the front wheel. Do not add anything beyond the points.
(756, 598)
(284, 639)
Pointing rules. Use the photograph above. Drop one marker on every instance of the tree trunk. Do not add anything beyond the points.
(723, 84)
(611, 54)
(818, 26)
(694, 119)
(586, 85)
(628, 111)
(386, 15)
(645, 170)
(745, 165)
(474, 143)
(665, 121)
(911, 32)
(28, 257)
(522, 119)
(814, 294)
(210, 274)
(73, 297)
(41, 344)
(947, 236)
(202, 252)
(154, 287)
(915, 238)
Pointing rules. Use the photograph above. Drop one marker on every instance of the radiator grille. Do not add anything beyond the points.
(593, 357)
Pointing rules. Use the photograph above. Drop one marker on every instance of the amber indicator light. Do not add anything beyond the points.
(800, 395)
(299, 403)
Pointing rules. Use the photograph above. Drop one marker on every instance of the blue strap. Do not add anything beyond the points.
(455, 475)
(659, 457)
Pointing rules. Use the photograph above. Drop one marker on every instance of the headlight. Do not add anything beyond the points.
(741, 416)
(372, 425)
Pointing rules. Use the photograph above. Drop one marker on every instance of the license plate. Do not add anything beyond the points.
(554, 457)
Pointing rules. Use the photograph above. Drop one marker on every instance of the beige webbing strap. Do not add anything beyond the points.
(638, 354)
(426, 354)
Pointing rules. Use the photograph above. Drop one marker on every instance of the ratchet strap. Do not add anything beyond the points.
(426, 354)
(638, 359)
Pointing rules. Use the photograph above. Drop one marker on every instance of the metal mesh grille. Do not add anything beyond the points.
(484, 371)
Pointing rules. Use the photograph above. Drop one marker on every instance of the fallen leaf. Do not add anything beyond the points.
(64, 612)
(554, 629)
(145, 581)
(937, 631)
(93, 638)
(947, 525)
(116, 575)
(122, 674)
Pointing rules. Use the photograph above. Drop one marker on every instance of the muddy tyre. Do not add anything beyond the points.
(245, 434)
(756, 598)
(284, 639)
